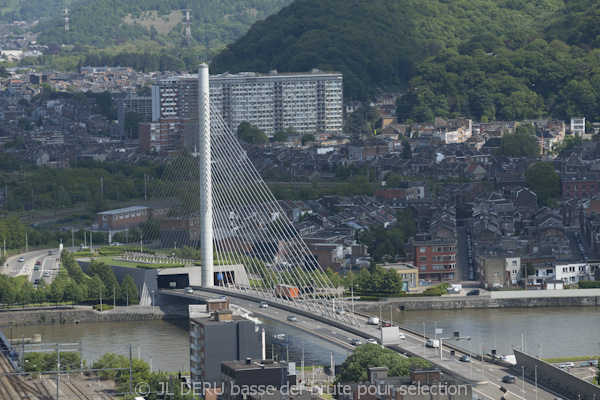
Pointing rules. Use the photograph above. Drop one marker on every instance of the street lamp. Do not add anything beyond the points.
(470, 361)
(423, 339)
(153, 299)
(536, 389)
(523, 372)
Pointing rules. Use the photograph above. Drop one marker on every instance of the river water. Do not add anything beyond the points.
(551, 332)
(165, 344)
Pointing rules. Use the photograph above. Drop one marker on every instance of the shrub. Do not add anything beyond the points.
(105, 307)
(589, 284)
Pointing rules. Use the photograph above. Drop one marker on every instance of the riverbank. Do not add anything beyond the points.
(86, 314)
(488, 301)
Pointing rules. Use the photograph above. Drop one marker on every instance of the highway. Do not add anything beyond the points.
(487, 378)
(35, 265)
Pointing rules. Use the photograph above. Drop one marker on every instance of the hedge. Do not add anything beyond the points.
(105, 307)
(589, 284)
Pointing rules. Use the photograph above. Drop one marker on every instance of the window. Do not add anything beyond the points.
(514, 271)
(423, 267)
(496, 273)
(105, 218)
(514, 262)
(422, 249)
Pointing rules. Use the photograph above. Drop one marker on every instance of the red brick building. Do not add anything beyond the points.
(435, 259)
(578, 186)
(122, 218)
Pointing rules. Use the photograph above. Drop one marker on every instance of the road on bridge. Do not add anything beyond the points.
(487, 378)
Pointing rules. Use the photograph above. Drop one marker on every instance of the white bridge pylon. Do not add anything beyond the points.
(211, 195)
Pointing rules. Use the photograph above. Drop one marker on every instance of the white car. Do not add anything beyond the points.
(566, 365)
(189, 290)
(292, 318)
(263, 305)
(21, 259)
(401, 336)
(356, 342)
(372, 341)
(46, 274)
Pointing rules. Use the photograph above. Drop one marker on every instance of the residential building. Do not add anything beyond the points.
(578, 126)
(220, 336)
(578, 186)
(409, 274)
(496, 272)
(253, 375)
(435, 259)
(310, 103)
(133, 103)
(122, 218)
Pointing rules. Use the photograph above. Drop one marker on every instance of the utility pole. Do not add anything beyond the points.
(130, 371)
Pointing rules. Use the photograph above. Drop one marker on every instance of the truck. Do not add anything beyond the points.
(286, 291)
(373, 321)
(454, 288)
(435, 343)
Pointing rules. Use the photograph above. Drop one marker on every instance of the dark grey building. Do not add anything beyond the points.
(221, 336)
(250, 376)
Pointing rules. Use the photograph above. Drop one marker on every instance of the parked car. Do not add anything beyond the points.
(263, 305)
(356, 342)
(465, 359)
(591, 363)
(508, 379)
(566, 365)
(189, 290)
(292, 318)
(474, 292)
(372, 341)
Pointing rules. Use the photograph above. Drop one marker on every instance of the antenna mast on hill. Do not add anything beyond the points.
(66, 19)
(188, 29)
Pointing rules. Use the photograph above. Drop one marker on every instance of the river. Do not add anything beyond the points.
(551, 332)
(165, 344)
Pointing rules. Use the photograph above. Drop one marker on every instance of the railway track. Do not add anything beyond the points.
(85, 396)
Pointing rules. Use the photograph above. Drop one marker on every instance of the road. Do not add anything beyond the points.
(487, 378)
(35, 265)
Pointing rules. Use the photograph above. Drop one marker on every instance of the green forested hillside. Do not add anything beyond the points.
(484, 59)
(103, 23)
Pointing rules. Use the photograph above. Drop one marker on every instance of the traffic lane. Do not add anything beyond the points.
(16, 267)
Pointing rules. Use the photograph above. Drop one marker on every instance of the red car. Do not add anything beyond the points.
(386, 324)
(38, 263)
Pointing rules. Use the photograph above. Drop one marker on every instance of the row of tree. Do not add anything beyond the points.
(75, 287)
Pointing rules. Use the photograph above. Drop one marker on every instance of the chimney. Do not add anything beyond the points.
(223, 315)
(248, 361)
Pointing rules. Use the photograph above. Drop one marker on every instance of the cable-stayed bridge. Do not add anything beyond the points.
(212, 197)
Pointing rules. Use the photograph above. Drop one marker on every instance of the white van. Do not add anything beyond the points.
(435, 343)
(373, 321)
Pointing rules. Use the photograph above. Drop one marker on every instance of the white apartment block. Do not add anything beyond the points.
(310, 103)
(578, 126)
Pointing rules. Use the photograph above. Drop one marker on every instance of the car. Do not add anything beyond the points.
(340, 311)
(263, 305)
(372, 341)
(36, 282)
(508, 379)
(292, 318)
(38, 263)
(222, 297)
(474, 292)
(21, 259)
(36, 267)
(465, 359)
(566, 365)
(591, 363)
(401, 336)
(356, 342)
(189, 290)
(46, 274)
(386, 324)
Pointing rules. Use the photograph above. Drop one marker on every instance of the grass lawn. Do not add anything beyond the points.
(574, 358)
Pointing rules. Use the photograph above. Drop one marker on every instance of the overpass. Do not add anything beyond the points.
(486, 377)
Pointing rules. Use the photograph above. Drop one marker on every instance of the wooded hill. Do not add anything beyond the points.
(102, 23)
(485, 59)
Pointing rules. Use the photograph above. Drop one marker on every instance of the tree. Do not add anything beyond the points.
(56, 291)
(519, 145)
(132, 124)
(354, 369)
(279, 136)
(406, 151)
(129, 291)
(251, 134)
(307, 137)
(541, 179)
(73, 293)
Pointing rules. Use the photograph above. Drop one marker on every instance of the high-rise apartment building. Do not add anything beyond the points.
(217, 335)
(310, 103)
